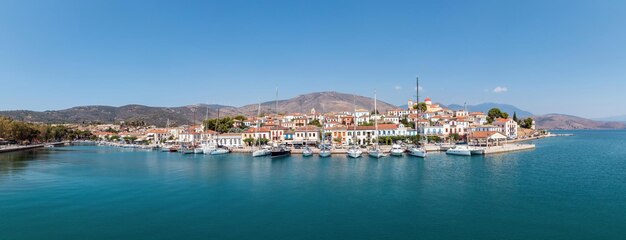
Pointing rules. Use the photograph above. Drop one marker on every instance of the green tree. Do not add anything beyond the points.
(494, 114)
(527, 123)
(435, 139)
(455, 137)
(420, 106)
(515, 117)
(248, 141)
(262, 141)
(315, 122)
(370, 123)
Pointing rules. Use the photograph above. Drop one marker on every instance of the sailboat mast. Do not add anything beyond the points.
(375, 119)
(257, 124)
(417, 101)
(354, 122)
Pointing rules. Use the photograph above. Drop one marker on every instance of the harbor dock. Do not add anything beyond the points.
(26, 147)
(508, 148)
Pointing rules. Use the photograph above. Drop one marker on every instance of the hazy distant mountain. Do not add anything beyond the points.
(621, 118)
(484, 107)
(107, 114)
(322, 102)
(568, 122)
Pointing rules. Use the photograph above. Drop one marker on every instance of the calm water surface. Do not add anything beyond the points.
(568, 188)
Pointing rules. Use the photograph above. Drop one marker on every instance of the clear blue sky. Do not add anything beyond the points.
(544, 56)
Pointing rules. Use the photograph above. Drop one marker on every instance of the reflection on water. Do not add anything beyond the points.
(112, 193)
(13, 162)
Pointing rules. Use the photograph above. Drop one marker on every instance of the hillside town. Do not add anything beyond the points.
(435, 123)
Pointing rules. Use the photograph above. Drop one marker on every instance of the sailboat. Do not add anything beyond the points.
(354, 151)
(218, 150)
(261, 151)
(279, 150)
(307, 151)
(375, 151)
(324, 150)
(416, 150)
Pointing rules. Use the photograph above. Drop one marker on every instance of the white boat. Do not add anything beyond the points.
(397, 150)
(354, 152)
(477, 150)
(261, 152)
(375, 151)
(48, 146)
(220, 151)
(185, 150)
(417, 152)
(461, 150)
(198, 150)
(207, 148)
(324, 152)
(307, 152)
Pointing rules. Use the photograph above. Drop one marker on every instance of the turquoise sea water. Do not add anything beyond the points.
(567, 188)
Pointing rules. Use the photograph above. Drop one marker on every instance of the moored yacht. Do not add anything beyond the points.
(461, 150)
(220, 150)
(397, 150)
(261, 152)
(280, 151)
(354, 152)
(417, 151)
(375, 151)
(325, 152)
(307, 152)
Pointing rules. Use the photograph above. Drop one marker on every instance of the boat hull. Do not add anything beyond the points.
(219, 152)
(280, 154)
(324, 153)
(459, 152)
(397, 153)
(261, 153)
(354, 154)
(417, 153)
(376, 154)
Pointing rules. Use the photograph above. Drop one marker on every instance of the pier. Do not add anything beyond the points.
(508, 148)
(27, 147)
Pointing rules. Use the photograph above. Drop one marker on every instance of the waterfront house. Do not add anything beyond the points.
(486, 138)
(260, 133)
(277, 134)
(230, 140)
(509, 127)
(308, 133)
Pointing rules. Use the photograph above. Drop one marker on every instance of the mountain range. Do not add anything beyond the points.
(320, 101)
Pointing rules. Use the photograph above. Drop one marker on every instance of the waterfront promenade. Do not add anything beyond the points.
(13, 148)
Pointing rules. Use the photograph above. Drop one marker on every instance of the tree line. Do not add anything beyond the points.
(24, 132)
